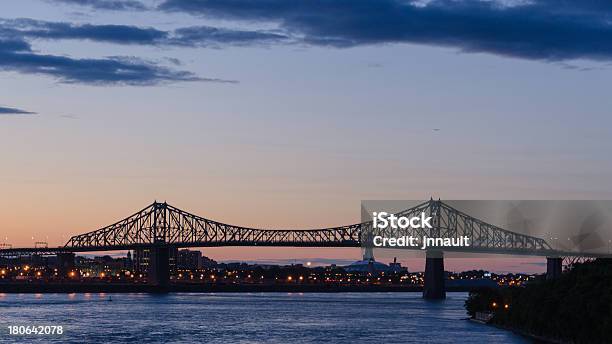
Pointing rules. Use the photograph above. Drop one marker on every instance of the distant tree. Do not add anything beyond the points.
(577, 307)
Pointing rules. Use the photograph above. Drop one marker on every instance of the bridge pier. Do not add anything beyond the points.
(65, 263)
(554, 267)
(433, 288)
(159, 266)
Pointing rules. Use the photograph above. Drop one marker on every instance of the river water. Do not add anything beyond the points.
(245, 318)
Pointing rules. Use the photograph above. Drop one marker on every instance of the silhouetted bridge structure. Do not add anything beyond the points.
(161, 226)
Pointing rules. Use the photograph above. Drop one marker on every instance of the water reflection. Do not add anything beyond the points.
(253, 317)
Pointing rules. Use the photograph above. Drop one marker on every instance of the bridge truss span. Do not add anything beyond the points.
(161, 223)
(448, 222)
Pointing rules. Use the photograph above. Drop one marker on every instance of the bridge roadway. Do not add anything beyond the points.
(161, 226)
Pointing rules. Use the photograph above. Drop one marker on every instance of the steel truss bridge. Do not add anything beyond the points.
(161, 224)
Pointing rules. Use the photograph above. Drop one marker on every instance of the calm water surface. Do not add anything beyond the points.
(246, 318)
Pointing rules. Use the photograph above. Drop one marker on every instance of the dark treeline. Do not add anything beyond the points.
(575, 308)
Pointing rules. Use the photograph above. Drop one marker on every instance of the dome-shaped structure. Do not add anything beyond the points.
(367, 266)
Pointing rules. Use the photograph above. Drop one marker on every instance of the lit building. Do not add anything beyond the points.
(142, 258)
(189, 260)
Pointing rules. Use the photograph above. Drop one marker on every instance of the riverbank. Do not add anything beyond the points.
(192, 288)
(574, 308)
(205, 288)
(530, 336)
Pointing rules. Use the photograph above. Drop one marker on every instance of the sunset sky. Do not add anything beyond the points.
(289, 113)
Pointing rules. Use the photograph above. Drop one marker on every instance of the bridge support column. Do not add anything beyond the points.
(434, 288)
(159, 266)
(554, 266)
(65, 263)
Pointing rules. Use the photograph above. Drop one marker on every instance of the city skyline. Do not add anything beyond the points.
(265, 119)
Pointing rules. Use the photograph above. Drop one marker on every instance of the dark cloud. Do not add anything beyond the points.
(14, 45)
(16, 53)
(121, 34)
(117, 5)
(13, 111)
(18, 56)
(575, 7)
(544, 30)
(211, 36)
(196, 36)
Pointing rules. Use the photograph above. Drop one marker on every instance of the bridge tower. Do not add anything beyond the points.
(434, 288)
(368, 254)
(554, 267)
(159, 265)
(159, 259)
